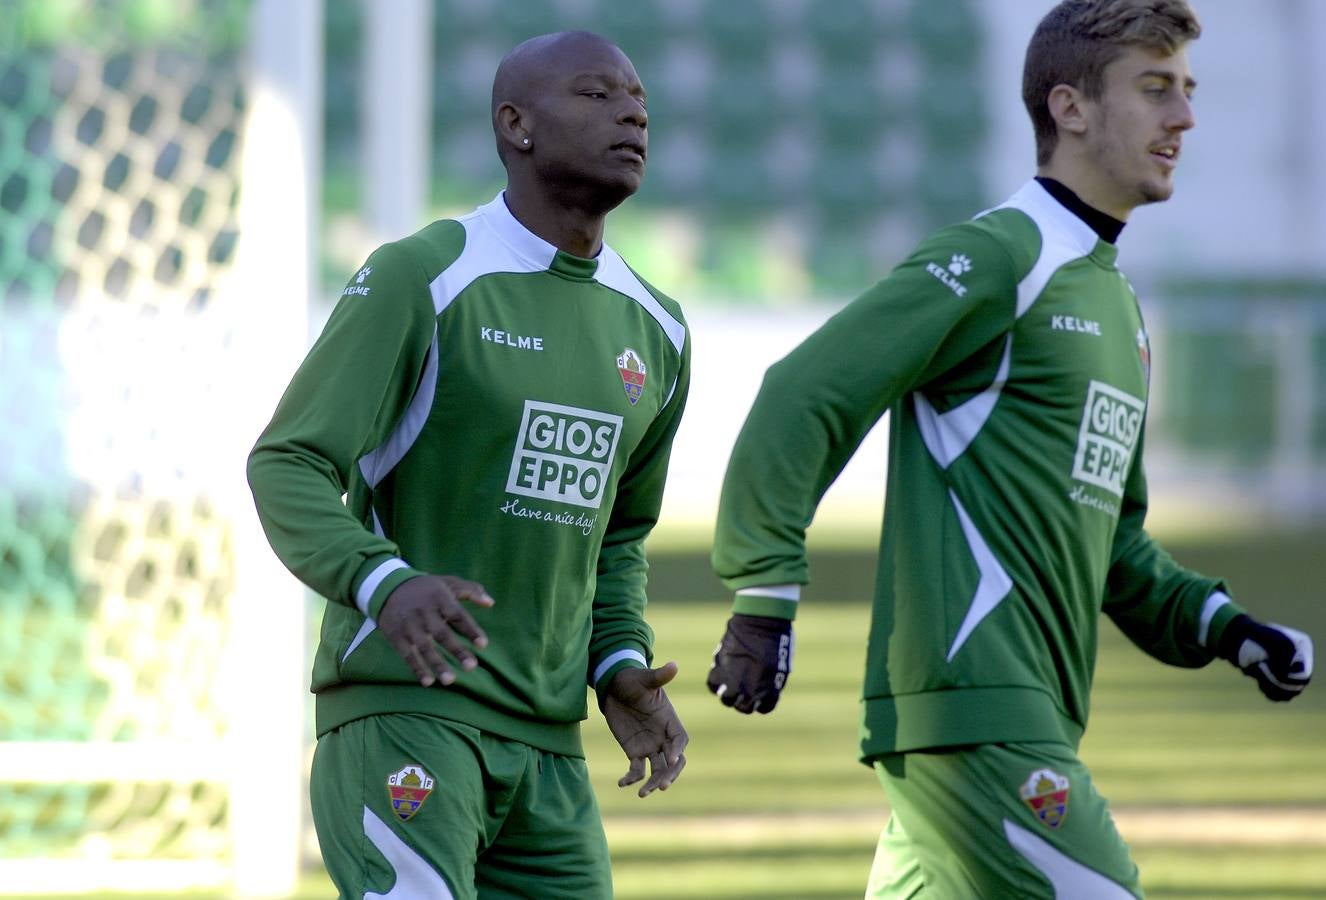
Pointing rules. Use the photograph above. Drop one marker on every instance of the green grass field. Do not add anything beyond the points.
(1221, 794)
(777, 806)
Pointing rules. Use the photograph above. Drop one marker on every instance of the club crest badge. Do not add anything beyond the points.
(408, 789)
(1046, 792)
(632, 369)
(1144, 351)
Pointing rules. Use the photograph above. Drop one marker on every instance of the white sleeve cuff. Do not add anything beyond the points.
(613, 658)
(777, 591)
(1211, 607)
(375, 578)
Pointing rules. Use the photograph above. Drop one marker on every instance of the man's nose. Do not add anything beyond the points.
(1184, 117)
(634, 113)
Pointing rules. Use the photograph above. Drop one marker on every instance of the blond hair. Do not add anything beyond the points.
(1078, 38)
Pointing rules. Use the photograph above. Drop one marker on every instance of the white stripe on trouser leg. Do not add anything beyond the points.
(414, 877)
(1071, 879)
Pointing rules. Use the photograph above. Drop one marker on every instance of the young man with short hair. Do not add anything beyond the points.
(496, 396)
(1012, 355)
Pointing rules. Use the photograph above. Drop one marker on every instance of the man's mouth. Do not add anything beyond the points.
(1167, 153)
(633, 148)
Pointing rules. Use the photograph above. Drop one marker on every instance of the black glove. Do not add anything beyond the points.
(1279, 658)
(752, 662)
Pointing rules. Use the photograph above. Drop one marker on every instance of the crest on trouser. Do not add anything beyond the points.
(1046, 793)
(408, 789)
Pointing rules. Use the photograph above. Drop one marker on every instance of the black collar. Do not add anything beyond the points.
(1106, 226)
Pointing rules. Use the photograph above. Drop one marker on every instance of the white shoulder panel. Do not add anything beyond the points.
(614, 273)
(1064, 238)
(494, 242)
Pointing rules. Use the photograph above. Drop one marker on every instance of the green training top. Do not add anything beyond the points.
(1013, 358)
(492, 408)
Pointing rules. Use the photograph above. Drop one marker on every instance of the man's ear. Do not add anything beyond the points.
(510, 123)
(1067, 109)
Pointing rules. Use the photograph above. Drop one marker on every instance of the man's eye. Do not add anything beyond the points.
(598, 95)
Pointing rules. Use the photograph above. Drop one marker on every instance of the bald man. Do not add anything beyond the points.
(495, 397)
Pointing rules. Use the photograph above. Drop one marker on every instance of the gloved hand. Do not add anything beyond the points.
(1279, 658)
(752, 662)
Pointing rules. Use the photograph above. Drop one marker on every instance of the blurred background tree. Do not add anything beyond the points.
(813, 139)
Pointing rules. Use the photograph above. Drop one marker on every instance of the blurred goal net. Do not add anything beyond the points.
(150, 735)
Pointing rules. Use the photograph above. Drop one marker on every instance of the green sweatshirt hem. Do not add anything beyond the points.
(949, 718)
(335, 706)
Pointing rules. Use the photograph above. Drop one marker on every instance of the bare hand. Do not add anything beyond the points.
(642, 719)
(426, 611)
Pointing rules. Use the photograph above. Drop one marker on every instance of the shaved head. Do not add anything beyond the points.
(524, 70)
(571, 127)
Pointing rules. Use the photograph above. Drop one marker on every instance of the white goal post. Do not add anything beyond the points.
(155, 739)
